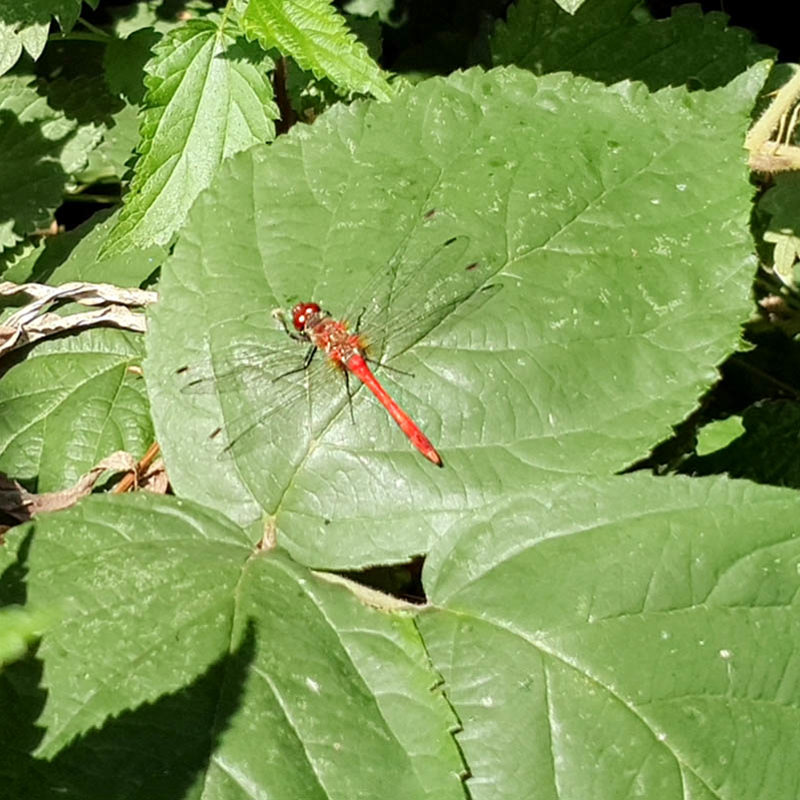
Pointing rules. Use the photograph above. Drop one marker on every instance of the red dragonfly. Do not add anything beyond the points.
(265, 372)
(347, 351)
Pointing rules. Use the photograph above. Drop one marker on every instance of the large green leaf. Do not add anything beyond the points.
(184, 664)
(631, 637)
(208, 98)
(620, 637)
(616, 221)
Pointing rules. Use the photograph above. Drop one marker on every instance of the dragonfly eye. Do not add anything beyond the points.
(301, 312)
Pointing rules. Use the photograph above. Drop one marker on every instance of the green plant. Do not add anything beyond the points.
(584, 633)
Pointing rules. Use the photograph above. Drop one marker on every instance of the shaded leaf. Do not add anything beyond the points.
(73, 256)
(322, 696)
(25, 24)
(606, 41)
(46, 135)
(125, 60)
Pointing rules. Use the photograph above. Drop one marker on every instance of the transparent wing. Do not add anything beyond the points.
(404, 303)
(245, 366)
(257, 384)
(289, 399)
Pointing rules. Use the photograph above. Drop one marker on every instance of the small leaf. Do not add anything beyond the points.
(787, 249)
(780, 202)
(316, 36)
(25, 25)
(208, 98)
(71, 402)
(19, 627)
(718, 434)
(765, 452)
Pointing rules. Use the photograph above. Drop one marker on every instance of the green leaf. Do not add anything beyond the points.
(69, 404)
(615, 222)
(570, 6)
(384, 10)
(126, 20)
(110, 161)
(765, 452)
(46, 135)
(310, 96)
(718, 434)
(19, 628)
(73, 256)
(25, 24)
(208, 98)
(185, 659)
(623, 637)
(604, 41)
(88, 101)
(125, 61)
(41, 11)
(13, 38)
(316, 36)
(780, 203)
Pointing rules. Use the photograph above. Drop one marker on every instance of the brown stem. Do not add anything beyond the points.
(279, 80)
(131, 479)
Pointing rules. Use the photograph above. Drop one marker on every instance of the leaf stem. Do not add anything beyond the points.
(78, 37)
(94, 29)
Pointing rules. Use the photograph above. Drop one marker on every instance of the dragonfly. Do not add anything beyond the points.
(390, 316)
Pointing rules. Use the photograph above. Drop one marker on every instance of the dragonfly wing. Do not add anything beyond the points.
(256, 384)
(241, 367)
(265, 409)
(449, 283)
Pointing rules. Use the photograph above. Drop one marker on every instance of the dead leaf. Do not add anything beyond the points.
(22, 505)
(33, 321)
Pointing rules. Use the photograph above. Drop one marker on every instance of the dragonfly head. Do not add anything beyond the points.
(301, 314)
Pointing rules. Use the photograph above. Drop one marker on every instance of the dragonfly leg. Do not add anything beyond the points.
(298, 337)
(386, 366)
(349, 395)
(309, 357)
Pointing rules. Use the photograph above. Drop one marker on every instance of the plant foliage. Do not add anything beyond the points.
(544, 218)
